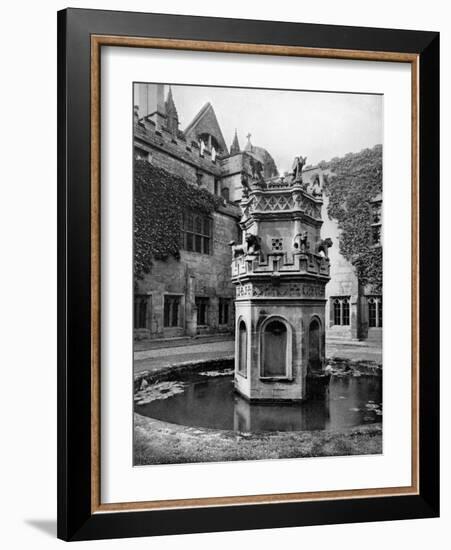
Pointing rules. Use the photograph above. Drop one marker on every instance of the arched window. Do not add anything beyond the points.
(372, 312)
(337, 311)
(375, 312)
(196, 232)
(345, 311)
(274, 349)
(225, 193)
(171, 310)
(341, 310)
(242, 348)
(141, 311)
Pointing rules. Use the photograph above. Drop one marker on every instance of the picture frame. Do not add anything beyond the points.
(81, 36)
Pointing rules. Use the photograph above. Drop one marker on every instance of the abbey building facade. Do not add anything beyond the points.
(193, 294)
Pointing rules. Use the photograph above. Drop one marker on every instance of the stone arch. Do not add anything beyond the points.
(276, 347)
(242, 347)
(315, 344)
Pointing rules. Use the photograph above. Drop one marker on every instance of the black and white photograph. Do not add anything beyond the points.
(224, 290)
(257, 273)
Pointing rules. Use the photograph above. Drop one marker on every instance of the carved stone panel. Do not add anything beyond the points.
(284, 290)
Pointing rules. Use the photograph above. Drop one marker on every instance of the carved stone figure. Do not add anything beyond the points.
(256, 169)
(303, 242)
(251, 246)
(253, 243)
(298, 165)
(322, 247)
(316, 187)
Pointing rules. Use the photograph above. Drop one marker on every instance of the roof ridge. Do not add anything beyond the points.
(199, 115)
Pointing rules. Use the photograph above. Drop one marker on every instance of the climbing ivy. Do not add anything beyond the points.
(160, 198)
(353, 181)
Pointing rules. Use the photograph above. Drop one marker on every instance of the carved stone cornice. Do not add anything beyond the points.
(261, 203)
(305, 290)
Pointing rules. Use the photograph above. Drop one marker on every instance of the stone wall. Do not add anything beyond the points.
(231, 168)
(176, 155)
(344, 282)
(193, 275)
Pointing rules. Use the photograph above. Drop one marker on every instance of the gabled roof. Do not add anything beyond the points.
(205, 122)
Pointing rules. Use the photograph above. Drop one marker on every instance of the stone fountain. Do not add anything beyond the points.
(280, 271)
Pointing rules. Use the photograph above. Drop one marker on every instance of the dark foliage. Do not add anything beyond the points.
(160, 198)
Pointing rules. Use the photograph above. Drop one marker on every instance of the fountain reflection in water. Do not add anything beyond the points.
(210, 402)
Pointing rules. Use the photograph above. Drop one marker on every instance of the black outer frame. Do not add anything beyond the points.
(75, 520)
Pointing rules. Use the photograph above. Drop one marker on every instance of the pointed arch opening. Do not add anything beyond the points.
(242, 348)
(276, 348)
(314, 346)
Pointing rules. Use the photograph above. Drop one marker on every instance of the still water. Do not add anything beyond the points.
(210, 402)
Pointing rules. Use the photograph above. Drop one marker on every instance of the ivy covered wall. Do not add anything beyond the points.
(160, 198)
(353, 181)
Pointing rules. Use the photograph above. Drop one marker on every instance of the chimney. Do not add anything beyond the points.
(150, 101)
(141, 98)
(160, 100)
(159, 110)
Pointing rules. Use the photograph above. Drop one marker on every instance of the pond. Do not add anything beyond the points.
(206, 401)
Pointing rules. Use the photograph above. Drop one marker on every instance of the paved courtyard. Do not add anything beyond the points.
(153, 355)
